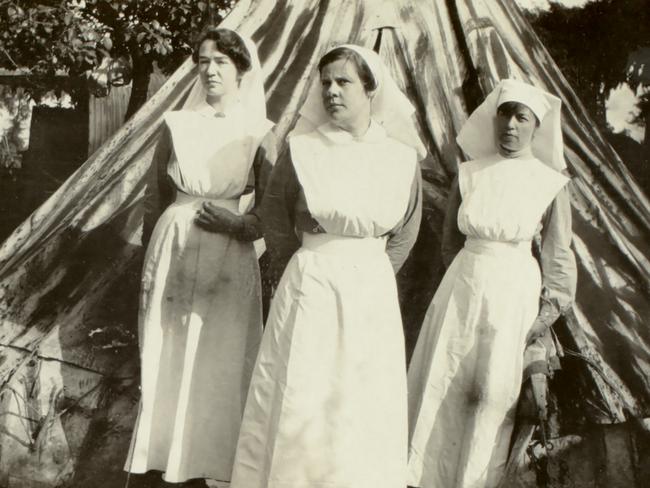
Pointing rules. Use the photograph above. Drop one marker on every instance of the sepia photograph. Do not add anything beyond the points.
(325, 244)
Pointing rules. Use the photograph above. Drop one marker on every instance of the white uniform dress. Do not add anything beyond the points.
(200, 312)
(465, 375)
(327, 404)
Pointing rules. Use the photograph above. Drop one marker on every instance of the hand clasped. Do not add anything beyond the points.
(213, 218)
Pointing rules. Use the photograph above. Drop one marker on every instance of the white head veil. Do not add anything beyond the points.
(477, 138)
(251, 88)
(389, 107)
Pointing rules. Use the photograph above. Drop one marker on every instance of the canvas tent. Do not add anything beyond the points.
(69, 275)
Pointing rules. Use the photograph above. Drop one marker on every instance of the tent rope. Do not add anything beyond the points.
(630, 409)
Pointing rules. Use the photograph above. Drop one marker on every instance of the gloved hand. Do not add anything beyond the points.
(216, 219)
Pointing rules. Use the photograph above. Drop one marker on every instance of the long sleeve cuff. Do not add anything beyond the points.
(248, 228)
(549, 312)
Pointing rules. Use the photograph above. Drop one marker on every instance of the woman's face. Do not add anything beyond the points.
(515, 126)
(217, 71)
(344, 96)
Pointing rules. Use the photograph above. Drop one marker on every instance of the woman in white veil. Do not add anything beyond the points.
(200, 318)
(495, 301)
(327, 404)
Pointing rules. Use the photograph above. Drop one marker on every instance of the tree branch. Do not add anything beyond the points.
(10, 58)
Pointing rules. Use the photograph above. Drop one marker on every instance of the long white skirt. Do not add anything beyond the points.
(200, 329)
(465, 375)
(327, 404)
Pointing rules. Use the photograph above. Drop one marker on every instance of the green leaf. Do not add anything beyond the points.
(107, 42)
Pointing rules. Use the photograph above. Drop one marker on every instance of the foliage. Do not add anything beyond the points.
(73, 37)
(15, 115)
(594, 45)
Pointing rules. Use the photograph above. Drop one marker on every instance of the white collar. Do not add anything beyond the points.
(207, 110)
(375, 133)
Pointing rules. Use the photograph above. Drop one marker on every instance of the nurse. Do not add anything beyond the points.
(327, 404)
(466, 372)
(200, 314)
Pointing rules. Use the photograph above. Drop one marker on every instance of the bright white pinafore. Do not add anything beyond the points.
(465, 375)
(327, 404)
(200, 312)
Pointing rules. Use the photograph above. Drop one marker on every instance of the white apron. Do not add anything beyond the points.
(465, 375)
(200, 311)
(327, 404)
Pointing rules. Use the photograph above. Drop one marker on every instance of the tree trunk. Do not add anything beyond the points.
(139, 85)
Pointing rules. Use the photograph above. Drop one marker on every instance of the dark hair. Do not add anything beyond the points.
(229, 43)
(508, 108)
(363, 70)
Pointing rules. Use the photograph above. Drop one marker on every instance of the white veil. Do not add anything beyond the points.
(389, 107)
(477, 136)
